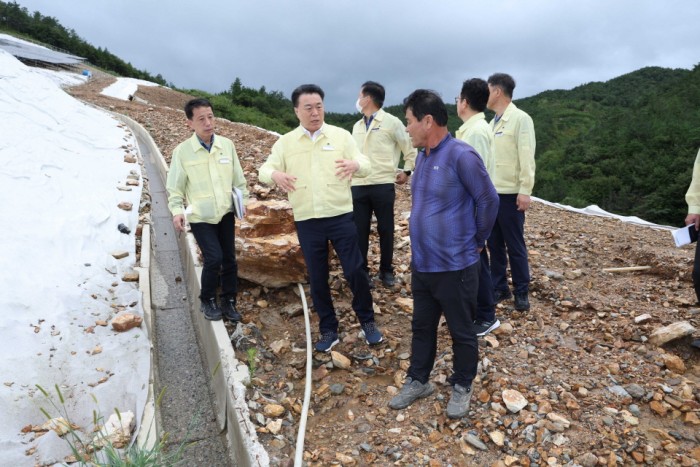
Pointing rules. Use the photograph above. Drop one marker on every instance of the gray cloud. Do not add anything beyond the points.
(403, 44)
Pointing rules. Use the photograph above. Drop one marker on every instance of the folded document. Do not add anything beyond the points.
(685, 235)
(238, 207)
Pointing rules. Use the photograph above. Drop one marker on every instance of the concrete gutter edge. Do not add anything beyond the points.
(228, 376)
(148, 437)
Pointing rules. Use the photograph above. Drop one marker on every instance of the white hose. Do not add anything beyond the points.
(299, 454)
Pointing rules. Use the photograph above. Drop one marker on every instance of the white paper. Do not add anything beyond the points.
(681, 236)
(238, 208)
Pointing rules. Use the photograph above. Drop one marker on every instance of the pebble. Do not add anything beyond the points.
(466, 449)
(498, 408)
(642, 318)
(504, 330)
(635, 390)
(513, 400)
(319, 373)
(274, 426)
(629, 418)
(634, 410)
(554, 275)
(492, 341)
(497, 437)
(558, 419)
(658, 408)
(674, 363)
(345, 459)
(671, 332)
(588, 460)
(364, 428)
(340, 360)
(337, 389)
(560, 440)
(273, 410)
(618, 391)
(474, 440)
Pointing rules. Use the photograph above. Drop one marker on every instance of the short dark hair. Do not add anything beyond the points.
(194, 104)
(375, 91)
(476, 93)
(306, 89)
(503, 81)
(424, 102)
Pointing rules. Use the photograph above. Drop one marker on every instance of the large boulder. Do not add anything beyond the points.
(267, 248)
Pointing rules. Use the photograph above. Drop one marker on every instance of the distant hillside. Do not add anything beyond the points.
(47, 30)
(627, 144)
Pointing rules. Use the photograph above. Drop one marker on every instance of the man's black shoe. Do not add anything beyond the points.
(501, 294)
(482, 327)
(522, 303)
(387, 278)
(229, 310)
(211, 310)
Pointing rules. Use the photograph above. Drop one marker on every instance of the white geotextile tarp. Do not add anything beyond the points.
(594, 210)
(122, 88)
(60, 164)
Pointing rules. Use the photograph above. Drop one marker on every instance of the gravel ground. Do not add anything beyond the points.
(596, 392)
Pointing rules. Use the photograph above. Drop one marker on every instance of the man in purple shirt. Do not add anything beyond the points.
(454, 207)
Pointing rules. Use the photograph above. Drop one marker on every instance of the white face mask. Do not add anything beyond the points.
(358, 106)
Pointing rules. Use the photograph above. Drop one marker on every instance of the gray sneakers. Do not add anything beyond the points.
(411, 391)
(458, 406)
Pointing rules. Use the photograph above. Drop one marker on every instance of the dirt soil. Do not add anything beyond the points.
(597, 391)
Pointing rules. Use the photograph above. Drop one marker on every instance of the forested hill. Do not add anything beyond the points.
(627, 145)
(17, 20)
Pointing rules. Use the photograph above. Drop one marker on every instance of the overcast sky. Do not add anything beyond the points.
(279, 44)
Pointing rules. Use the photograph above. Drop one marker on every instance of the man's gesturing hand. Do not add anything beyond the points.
(346, 168)
(284, 181)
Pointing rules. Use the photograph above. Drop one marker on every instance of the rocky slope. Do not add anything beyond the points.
(576, 380)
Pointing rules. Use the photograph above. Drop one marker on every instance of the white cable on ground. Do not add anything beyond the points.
(299, 454)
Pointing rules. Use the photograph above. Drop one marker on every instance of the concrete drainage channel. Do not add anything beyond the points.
(226, 375)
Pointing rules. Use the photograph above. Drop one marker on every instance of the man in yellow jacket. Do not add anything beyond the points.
(314, 165)
(513, 175)
(476, 132)
(692, 197)
(382, 138)
(203, 171)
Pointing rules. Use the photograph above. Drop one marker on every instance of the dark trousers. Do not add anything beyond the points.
(380, 200)
(340, 231)
(454, 294)
(218, 249)
(485, 300)
(696, 271)
(508, 233)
